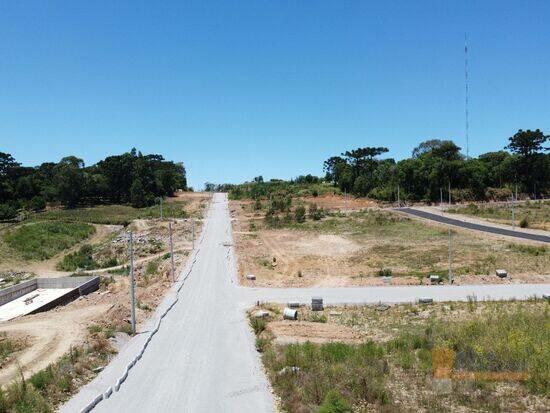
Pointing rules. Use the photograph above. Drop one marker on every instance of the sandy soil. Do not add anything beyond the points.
(50, 335)
(287, 332)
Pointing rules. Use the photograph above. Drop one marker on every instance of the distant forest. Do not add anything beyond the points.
(130, 178)
(434, 167)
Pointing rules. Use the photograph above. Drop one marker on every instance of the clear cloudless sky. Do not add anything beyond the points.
(238, 88)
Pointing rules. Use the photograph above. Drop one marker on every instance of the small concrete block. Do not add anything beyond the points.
(502, 273)
(425, 300)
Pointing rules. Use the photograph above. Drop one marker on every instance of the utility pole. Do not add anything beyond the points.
(132, 286)
(160, 208)
(513, 214)
(172, 252)
(449, 193)
(450, 258)
(440, 196)
(193, 233)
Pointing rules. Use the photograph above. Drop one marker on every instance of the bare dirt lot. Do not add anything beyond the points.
(356, 246)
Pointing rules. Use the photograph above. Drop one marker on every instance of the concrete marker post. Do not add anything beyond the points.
(172, 253)
(132, 286)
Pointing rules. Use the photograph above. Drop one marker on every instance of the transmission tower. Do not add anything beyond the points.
(466, 99)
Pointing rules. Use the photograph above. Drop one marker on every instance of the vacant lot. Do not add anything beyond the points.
(42, 240)
(530, 214)
(379, 358)
(354, 248)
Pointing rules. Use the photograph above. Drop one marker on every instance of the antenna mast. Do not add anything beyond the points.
(467, 92)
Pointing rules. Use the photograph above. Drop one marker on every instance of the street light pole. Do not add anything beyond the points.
(132, 286)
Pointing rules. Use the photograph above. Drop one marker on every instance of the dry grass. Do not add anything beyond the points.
(533, 214)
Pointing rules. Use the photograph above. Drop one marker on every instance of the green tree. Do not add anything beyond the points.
(137, 194)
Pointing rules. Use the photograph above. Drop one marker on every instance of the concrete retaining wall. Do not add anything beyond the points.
(15, 291)
(79, 286)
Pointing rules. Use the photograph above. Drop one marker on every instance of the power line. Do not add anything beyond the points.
(467, 92)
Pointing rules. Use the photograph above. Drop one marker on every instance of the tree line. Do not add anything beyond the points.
(130, 178)
(436, 165)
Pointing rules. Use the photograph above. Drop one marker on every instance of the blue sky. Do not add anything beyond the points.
(236, 89)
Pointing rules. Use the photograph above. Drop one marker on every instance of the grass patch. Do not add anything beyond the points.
(376, 375)
(48, 388)
(530, 214)
(42, 240)
(116, 214)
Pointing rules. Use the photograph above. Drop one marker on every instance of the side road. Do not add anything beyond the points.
(201, 357)
(489, 228)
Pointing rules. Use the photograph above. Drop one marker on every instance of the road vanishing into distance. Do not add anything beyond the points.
(202, 357)
(473, 226)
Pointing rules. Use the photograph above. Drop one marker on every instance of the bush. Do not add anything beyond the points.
(7, 212)
(334, 403)
(498, 194)
(524, 223)
(81, 259)
(384, 272)
(316, 213)
(37, 203)
(300, 214)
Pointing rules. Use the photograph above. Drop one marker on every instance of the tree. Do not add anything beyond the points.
(531, 164)
(527, 143)
(137, 194)
(69, 180)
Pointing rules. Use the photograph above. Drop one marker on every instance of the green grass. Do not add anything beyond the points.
(535, 213)
(115, 214)
(505, 336)
(42, 240)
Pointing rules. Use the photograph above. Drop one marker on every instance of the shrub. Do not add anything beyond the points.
(384, 272)
(524, 223)
(7, 212)
(43, 378)
(315, 213)
(81, 259)
(300, 214)
(37, 203)
(334, 403)
(258, 325)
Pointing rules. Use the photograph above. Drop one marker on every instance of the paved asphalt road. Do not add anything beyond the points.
(202, 359)
(476, 227)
